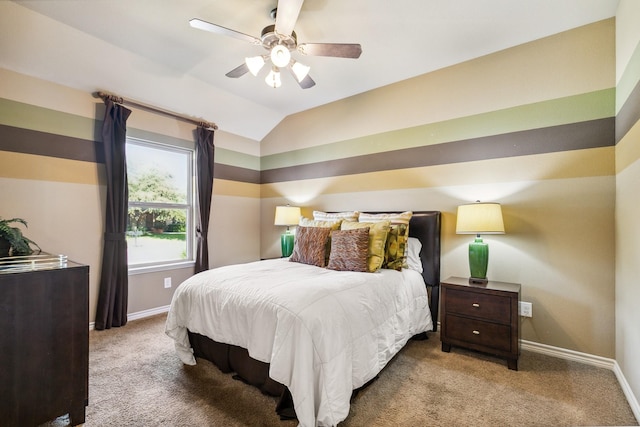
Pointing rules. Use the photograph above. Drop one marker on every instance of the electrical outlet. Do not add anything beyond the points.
(525, 309)
(167, 282)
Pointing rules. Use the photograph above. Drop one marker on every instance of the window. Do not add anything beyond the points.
(160, 214)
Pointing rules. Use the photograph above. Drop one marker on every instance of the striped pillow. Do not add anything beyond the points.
(346, 216)
(349, 250)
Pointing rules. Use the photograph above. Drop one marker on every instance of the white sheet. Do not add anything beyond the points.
(323, 332)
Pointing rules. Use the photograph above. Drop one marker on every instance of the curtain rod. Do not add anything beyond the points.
(120, 100)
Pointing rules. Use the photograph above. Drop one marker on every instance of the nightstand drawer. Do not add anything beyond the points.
(491, 307)
(478, 332)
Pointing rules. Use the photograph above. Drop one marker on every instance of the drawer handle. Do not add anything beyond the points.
(476, 305)
(476, 332)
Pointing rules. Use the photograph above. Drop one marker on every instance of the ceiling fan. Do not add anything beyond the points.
(280, 40)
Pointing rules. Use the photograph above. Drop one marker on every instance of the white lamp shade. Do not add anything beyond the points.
(287, 215)
(300, 70)
(480, 218)
(255, 64)
(273, 79)
(280, 56)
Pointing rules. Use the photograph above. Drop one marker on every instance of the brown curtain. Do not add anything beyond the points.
(114, 280)
(204, 186)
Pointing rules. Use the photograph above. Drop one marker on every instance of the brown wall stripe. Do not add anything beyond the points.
(629, 114)
(574, 136)
(29, 141)
(235, 173)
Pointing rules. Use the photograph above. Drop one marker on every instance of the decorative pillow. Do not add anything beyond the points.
(310, 245)
(414, 246)
(349, 250)
(377, 237)
(346, 216)
(333, 224)
(395, 250)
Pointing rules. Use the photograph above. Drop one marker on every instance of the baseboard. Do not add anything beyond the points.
(148, 313)
(140, 314)
(563, 353)
(589, 359)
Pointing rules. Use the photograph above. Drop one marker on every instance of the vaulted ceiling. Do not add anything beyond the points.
(146, 50)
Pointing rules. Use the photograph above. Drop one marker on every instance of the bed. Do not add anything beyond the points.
(311, 335)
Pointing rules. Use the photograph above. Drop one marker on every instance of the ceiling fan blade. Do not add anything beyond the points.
(239, 71)
(287, 15)
(307, 82)
(217, 29)
(339, 50)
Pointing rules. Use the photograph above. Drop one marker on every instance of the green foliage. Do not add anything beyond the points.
(176, 227)
(18, 243)
(154, 185)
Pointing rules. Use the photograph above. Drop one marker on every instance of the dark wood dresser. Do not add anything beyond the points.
(44, 343)
(482, 317)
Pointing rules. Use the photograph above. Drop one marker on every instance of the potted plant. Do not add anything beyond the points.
(12, 241)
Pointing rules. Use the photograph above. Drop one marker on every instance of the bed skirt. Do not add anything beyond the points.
(233, 359)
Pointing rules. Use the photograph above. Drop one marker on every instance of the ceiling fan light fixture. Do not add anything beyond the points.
(273, 78)
(255, 64)
(300, 70)
(280, 56)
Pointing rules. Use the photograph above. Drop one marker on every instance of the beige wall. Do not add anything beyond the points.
(558, 202)
(63, 198)
(628, 197)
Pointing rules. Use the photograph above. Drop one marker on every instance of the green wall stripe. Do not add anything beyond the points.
(578, 108)
(629, 80)
(27, 116)
(573, 136)
(52, 125)
(235, 158)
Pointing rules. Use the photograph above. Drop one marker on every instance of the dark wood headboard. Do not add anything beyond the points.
(425, 226)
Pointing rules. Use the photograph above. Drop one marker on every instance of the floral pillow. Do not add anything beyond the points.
(395, 257)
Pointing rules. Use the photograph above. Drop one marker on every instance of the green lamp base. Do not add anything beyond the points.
(478, 260)
(286, 243)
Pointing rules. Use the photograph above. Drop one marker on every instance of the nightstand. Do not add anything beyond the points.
(482, 317)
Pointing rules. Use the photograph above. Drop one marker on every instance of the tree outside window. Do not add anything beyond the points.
(160, 204)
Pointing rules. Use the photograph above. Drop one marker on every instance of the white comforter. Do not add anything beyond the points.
(323, 332)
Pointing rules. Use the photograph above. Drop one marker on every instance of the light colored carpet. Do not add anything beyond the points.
(136, 379)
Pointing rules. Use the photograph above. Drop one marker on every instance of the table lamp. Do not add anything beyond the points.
(479, 218)
(287, 215)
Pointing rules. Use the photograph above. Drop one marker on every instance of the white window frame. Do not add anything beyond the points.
(150, 267)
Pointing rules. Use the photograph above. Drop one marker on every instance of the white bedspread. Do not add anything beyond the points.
(323, 332)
